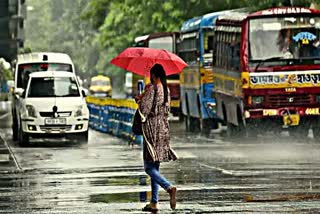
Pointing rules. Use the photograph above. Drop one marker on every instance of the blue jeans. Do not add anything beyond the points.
(152, 169)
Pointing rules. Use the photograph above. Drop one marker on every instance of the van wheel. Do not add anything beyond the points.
(83, 137)
(15, 131)
(23, 138)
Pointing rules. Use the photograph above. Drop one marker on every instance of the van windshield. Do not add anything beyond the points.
(24, 70)
(53, 87)
(100, 83)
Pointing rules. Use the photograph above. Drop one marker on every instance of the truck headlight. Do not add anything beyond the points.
(81, 111)
(31, 111)
(257, 100)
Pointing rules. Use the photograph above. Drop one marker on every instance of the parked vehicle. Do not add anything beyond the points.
(100, 86)
(52, 105)
(196, 81)
(30, 63)
(266, 71)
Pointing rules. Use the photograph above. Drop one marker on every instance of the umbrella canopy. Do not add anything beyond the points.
(140, 60)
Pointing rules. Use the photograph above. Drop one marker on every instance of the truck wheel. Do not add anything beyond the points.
(187, 122)
(206, 127)
(214, 124)
(194, 124)
(180, 115)
(231, 130)
(236, 131)
(316, 132)
(23, 138)
(252, 130)
(299, 131)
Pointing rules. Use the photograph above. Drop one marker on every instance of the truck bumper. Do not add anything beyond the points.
(285, 116)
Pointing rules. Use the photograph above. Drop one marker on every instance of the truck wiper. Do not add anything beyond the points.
(309, 58)
(269, 60)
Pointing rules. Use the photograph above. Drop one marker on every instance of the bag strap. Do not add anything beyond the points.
(154, 103)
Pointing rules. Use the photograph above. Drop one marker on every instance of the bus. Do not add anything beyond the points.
(267, 71)
(167, 41)
(100, 86)
(195, 47)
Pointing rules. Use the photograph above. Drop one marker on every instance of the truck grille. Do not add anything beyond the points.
(289, 99)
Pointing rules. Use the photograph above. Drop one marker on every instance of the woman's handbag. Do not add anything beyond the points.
(137, 123)
(173, 155)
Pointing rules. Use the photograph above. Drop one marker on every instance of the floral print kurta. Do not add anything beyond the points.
(156, 125)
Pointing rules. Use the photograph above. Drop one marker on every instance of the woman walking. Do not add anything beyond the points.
(154, 106)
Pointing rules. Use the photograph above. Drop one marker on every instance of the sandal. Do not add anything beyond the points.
(148, 208)
(173, 193)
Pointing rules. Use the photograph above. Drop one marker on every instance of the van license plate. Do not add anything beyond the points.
(55, 121)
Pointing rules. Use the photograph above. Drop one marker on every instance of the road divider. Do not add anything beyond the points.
(113, 116)
(5, 114)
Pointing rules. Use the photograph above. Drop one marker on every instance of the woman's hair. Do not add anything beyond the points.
(158, 71)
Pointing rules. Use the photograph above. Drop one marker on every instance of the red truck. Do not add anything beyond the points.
(267, 71)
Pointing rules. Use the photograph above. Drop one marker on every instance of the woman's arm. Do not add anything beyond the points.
(146, 102)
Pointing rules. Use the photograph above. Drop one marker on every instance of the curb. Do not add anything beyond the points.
(4, 153)
(9, 155)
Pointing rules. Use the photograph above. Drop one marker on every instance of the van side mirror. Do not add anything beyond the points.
(83, 93)
(19, 92)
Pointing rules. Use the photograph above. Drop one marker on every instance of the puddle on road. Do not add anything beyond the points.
(119, 181)
(120, 197)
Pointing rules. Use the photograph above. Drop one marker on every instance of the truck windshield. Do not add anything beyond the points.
(165, 43)
(294, 37)
(53, 87)
(24, 70)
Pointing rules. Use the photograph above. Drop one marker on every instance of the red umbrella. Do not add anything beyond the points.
(140, 60)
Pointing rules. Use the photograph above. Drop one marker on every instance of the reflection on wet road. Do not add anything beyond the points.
(212, 175)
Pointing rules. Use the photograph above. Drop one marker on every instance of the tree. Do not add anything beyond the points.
(93, 32)
(58, 26)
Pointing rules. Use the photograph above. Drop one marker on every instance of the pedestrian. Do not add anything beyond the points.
(154, 106)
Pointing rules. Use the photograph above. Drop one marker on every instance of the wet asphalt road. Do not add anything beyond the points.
(213, 174)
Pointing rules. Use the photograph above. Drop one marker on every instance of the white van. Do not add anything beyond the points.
(52, 105)
(40, 61)
(30, 63)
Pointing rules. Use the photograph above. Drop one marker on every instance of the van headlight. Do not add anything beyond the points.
(31, 111)
(81, 111)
